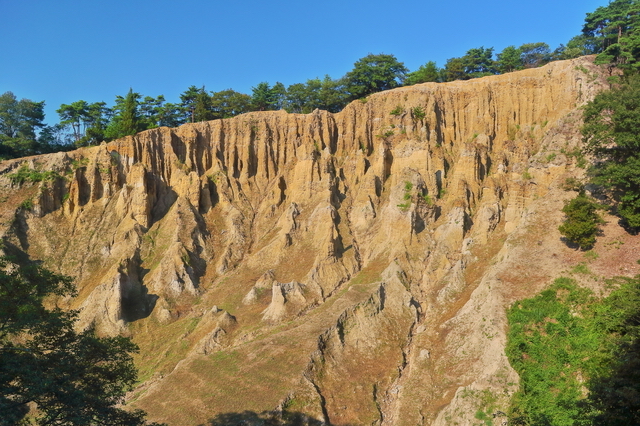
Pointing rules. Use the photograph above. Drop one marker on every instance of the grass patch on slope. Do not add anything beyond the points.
(565, 343)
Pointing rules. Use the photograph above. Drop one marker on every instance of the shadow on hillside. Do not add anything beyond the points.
(267, 418)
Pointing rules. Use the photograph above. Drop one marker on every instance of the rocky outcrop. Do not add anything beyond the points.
(360, 260)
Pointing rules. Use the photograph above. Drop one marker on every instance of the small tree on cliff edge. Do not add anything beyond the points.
(374, 73)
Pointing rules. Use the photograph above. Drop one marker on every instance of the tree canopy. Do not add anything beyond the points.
(611, 129)
(614, 31)
(73, 378)
(374, 73)
(425, 74)
(565, 341)
(20, 121)
(581, 221)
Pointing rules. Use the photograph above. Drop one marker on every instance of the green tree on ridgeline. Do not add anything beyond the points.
(579, 45)
(20, 122)
(509, 60)
(203, 107)
(615, 30)
(478, 62)
(265, 97)
(188, 103)
(87, 121)
(427, 73)
(535, 55)
(150, 111)
(326, 94)
(454, 69)
(125, 120)
(229, 103)
(374, 73)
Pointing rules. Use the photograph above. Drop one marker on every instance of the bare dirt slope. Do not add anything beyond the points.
(353, 267)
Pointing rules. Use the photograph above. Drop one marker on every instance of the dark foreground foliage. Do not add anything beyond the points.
(49, 373)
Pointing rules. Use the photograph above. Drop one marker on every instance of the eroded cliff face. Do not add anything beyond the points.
(354, 267)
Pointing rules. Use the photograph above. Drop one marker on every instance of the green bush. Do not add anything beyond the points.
(581, 223)
(564, 342)
(397, 110)
(418, 113)
(550, 344)
(25, 174)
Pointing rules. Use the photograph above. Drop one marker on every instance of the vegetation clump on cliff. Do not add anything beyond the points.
(576, 355)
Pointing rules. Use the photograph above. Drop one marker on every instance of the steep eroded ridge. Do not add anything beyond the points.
(353, 267)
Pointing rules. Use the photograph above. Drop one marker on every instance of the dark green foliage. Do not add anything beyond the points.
(73, 115)
(299, 99)
(203, 108)
(74, 378)
(169, 115)
(610, 131)
(229, 103)
(550, 343)
(572, 184)
(129, 120)
(152, 111)
(579, 45)
(478, 62)
(614, 29)
(326, 94)
(126, 120)
(188, 103)
(614, 396)
(427, 73)
(267, 98)
(20, 121)
(534, 54)
(87, 121)
(580, 226)
(510, 59)
(374, 73)
(398, 110)
(454, 69)
(564, 343)
(418, 113)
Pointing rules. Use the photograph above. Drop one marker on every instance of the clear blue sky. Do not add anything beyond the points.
(65, 50)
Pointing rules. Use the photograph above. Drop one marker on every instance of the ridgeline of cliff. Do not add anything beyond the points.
(354, 267)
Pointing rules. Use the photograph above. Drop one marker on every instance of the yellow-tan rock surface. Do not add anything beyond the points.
(354, 267)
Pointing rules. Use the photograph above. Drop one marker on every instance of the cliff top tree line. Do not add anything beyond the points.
(23, 131)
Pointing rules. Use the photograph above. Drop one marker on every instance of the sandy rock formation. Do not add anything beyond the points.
(362, 261)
